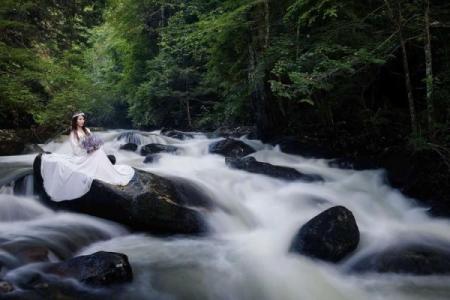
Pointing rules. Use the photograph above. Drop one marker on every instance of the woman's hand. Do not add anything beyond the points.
(94, 149)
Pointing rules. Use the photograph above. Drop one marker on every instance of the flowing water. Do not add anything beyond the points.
(245, 255)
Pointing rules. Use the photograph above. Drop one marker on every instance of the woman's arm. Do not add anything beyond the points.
(77, 150)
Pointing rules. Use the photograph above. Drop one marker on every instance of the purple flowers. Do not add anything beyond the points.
(91, 143)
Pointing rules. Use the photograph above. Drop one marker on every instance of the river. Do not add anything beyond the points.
(245, 255)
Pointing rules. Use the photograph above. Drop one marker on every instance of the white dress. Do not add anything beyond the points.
(68, 177)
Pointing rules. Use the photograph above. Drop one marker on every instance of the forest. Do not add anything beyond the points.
(366, 80)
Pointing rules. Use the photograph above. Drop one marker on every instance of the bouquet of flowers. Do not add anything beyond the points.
(91, 143)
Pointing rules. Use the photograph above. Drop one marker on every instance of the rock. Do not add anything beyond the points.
(185, 189)
(100, 268)
(148, 203)
(329, 236)
(102, 271)
(354, 164)
(231, 148)
(10, 142)
(420, 175)
(130, 137)
(24, 253)
(112, 159)
(292, 145)
(151, 158)
(5, 287)
(157, 148)
(250, 164)
(129, 147)
(11, 148)
(237, 132)
(177, 134)
(410, 258)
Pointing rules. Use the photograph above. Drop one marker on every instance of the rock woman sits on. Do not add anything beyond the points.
(68, 177)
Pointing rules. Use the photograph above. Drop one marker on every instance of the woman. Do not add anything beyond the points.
(69, 177)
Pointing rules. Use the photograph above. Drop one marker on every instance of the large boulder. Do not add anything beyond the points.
(410, 258)
(157, 148)
(129, 147)
(151, 158)
(176, 134)
(330, 236)
(148, 203)
(100, 268)
(231, 148)
(250, 164)
(104, 273)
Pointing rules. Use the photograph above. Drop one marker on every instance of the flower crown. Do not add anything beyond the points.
(78, 114)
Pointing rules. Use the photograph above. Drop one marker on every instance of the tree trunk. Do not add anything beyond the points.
(258, 94)
(409, 90)
(428, 66)
(188, 113)
(259, 41)
(297, 34)
(267, 23)
(162, 19)
(397, 20)
(188, 106)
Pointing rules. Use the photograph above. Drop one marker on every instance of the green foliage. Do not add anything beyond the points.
(41, 49)
(288, 64)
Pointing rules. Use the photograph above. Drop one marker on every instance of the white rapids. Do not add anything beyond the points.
(245, 255)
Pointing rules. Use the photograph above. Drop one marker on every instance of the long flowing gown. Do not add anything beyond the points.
(68, 177)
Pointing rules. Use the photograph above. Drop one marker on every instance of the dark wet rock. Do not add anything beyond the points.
(104, 273)
(330, 236)
(250, 164)
(293, 145)
(11, 148)
(41, 287)
(421, 175)
(5, 287)
(353, 164)
(100, 268)
(148, 203)
(23, 252)
(157, 148)
(236, 132)
(180, 135)
(231, 148)
(411, 259)
(10, 142)
(112, 159)
(14, 175)
(186, 189)
(131, 137)
(151, 158)
(129, 147)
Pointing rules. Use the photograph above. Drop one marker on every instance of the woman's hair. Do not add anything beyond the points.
(74, 126)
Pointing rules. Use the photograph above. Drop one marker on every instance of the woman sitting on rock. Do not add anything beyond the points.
(68, 177)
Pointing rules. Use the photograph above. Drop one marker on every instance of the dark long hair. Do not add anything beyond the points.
(74, 127)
